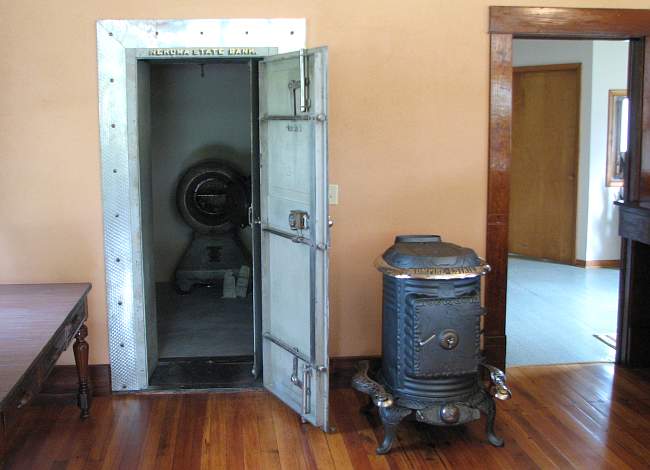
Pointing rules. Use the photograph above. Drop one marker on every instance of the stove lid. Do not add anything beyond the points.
(428, 257)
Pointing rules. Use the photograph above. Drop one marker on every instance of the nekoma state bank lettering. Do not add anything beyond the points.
(208, 51)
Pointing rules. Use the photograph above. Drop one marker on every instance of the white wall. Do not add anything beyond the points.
(192, 118)
(609, 72)
(604, 67)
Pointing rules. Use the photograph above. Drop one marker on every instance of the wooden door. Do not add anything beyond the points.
(545, 147)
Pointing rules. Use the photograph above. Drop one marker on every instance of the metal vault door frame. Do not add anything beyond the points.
(121, 196)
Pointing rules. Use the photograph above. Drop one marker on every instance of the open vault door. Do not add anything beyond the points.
(293, 184)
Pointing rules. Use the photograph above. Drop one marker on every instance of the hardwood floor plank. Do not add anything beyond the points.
(213, 449)
(187, 453)
(287, 430)
(167, 439)
(88, 433)
(32, 436)
(316, 440)
(336, 443)
(571, 416)
(136, 433)
(396, 459)
(269, 452)
(119, 436)
(345, 425)
(152, 434)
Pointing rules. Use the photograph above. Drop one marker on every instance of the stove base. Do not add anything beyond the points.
(459, 410)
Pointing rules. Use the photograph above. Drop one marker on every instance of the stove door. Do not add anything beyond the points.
(295, 238)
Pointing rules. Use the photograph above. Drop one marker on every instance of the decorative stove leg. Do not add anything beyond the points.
(391, 417)
(487, 406)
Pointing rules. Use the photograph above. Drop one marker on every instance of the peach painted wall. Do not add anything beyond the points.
(408, 136)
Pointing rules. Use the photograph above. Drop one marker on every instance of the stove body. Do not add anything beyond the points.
(431, 339)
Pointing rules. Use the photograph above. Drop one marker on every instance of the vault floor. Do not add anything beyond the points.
(204, 373)
(202, 324)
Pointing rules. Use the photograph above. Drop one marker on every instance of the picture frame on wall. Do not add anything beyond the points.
(617, 131)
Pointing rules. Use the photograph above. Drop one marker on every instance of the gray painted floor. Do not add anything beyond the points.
(553, 311)
(202, 324)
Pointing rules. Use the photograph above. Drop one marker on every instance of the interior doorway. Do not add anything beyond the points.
(563, 242)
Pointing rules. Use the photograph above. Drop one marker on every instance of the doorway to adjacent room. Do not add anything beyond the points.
(563, 241)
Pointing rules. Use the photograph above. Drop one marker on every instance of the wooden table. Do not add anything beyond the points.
(37, 323)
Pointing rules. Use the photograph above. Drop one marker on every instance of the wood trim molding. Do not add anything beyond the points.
(588, 23)
(500, 148)
(546, 68)
(640, 173)
(598, 263)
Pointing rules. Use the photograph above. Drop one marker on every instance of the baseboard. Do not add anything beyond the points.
(62, 383)
(343, 368)
(598, 263)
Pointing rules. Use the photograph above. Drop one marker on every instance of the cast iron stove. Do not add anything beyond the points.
(431, 339)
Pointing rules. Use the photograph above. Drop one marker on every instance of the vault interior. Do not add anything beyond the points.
(192, 113)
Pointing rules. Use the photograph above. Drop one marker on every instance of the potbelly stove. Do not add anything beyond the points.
(431, 339)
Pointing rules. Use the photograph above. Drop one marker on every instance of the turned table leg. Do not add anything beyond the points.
(80, 349)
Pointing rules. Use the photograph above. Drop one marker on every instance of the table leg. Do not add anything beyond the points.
(4, 437)
(80, 349)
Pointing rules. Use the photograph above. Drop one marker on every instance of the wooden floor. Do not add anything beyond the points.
(576, 416)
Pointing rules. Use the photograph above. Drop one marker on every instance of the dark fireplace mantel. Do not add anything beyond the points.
(634, 223)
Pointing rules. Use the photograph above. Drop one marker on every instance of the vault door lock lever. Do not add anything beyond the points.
(298, 220)
(303, 82)
(300, 85)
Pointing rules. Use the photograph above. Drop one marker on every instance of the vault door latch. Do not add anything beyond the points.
(304, 385)
(302, 85)
(298, 220)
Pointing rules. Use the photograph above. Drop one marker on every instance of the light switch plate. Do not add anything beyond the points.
(333, 194)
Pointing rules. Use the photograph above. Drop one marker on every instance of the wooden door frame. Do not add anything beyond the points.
(506, 24)
(577, 67)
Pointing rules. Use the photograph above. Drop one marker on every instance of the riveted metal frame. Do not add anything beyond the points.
(116, 40)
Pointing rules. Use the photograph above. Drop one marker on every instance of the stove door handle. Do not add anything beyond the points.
(430, 338)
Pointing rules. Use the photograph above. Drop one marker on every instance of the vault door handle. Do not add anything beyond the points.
(303, 78)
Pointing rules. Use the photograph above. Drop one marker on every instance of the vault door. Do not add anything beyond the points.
(294, 222)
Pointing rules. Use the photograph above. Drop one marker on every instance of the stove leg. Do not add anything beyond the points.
(391, 417)
(488, 407)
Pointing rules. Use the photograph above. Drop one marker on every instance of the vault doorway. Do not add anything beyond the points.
(214, 158)
(200, 165)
